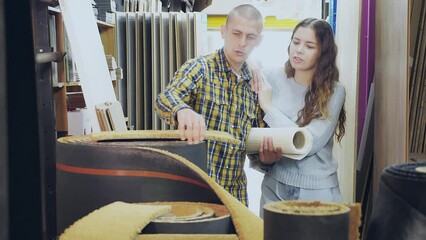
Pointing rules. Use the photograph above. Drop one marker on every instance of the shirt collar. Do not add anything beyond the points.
(224, 66)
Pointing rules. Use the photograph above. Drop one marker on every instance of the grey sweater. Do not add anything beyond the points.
(318, 170)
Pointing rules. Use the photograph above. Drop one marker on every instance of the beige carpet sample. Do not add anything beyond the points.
(146, 134)
(115, 221)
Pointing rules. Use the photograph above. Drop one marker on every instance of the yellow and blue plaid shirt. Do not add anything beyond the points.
(210, 87)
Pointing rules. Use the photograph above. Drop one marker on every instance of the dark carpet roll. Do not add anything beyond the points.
(399, 211)
(192, 218)
(91, 174)
(307, 220)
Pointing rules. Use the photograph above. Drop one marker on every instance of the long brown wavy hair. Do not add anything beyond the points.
(325, 77)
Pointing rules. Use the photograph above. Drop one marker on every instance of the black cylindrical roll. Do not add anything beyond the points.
(192, 218)
(295, 220)
(93, 174)
(399, 211)
(195, 153)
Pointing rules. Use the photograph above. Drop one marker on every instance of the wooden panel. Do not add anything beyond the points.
(60, 94)
(391, 105)
(107, 32)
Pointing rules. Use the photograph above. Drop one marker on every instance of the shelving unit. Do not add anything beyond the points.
(62, 87)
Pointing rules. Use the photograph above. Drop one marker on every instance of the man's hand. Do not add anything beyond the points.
(267, 153)
(191, 125)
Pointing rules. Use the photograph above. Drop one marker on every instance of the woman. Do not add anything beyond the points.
(306, 93)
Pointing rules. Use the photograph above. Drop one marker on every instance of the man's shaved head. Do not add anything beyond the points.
(248, 12)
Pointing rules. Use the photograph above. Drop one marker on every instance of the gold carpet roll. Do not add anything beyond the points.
(118, 220)
(307, 220)
(145, 134)
(188, 237)
(354, 220)
(101, 168)
(103, 174)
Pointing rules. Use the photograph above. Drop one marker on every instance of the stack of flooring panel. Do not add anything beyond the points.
(417, 117)
(150, 48)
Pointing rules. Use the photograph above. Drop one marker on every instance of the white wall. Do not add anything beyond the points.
(347, 39)
(282, 9)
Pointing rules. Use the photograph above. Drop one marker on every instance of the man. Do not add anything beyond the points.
(213, 92)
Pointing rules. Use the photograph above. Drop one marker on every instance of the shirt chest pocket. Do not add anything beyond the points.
(246, 117)
(247, 107)
(213, 105)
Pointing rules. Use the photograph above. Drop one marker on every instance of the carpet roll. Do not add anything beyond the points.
(187, 237)
(196, 153)
(399, 211)
(191, 218)
(247, 225)
(98, 169)
(307, 220)
(118, 220)
(168, 140)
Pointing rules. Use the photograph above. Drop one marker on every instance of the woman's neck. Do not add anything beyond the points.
(304, 78)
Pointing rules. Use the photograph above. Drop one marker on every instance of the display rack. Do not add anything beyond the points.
(61, 85)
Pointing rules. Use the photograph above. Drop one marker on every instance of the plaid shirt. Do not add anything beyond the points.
(210, 87)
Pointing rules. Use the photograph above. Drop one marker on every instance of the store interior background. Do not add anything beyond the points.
(24, 129)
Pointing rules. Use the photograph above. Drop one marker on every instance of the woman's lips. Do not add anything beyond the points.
(297, 60)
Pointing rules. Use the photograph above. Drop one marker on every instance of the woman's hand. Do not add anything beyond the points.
(267, 153)
(256, 80)
(265, 94)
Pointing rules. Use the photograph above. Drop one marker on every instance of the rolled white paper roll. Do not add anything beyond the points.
(294, 142)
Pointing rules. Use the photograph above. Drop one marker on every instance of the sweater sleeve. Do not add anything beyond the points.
(275, 119)
(323, 129)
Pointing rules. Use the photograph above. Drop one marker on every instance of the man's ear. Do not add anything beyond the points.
(223, 30)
